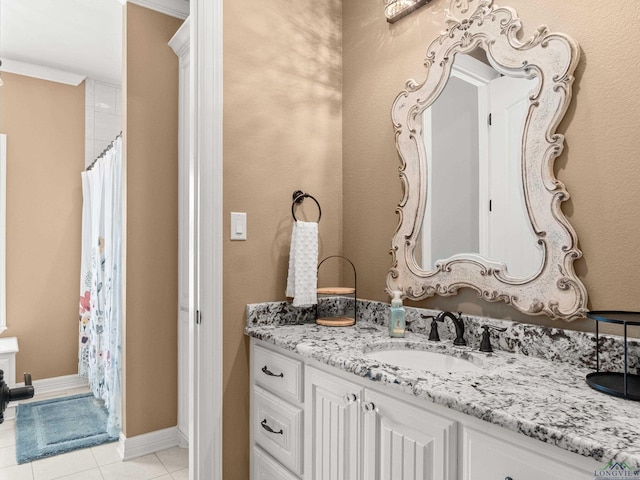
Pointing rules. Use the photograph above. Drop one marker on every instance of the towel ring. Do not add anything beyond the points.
(298, 197)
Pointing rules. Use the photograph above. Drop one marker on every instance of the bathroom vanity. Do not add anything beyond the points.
(353, 404)
(324, 407)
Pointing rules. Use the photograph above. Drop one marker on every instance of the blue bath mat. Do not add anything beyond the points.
(59, 425)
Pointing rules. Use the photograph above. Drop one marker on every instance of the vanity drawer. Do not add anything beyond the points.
(486, 457)
(277, 428)
(278, 373)
(266, 468)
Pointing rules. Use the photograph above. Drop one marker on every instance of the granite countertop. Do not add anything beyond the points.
(546, 400)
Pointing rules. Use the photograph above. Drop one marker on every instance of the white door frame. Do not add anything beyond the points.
(3, 232)
(205, 164)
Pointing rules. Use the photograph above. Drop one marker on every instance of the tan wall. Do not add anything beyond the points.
(282, 132)
(151, 136)
(282, 108)
(599, 164)
(44, 124)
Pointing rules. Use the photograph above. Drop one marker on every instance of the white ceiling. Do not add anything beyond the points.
(78, 36)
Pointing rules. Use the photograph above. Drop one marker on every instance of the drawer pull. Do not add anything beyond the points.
(269, 429)
(266, 371)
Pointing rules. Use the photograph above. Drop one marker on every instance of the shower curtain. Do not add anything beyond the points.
(99, 358)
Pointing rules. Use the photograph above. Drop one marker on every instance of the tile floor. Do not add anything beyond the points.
(96, 463)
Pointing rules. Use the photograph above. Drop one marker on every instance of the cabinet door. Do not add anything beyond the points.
(485, 457)
(403, 442)
(332, 423)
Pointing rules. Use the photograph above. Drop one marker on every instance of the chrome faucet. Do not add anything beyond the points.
(457, 323)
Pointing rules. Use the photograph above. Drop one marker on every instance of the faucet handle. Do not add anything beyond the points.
(433, 333)
(485, 344)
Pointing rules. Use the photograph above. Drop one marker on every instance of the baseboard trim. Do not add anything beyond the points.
(10, 412)
(56, 385)
(147, 443)
(183, 439)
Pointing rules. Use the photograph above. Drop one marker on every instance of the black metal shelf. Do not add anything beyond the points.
(619, 384)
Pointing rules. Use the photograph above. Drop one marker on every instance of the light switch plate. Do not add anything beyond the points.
(238, 226)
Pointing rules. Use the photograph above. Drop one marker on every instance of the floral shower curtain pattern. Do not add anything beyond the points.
(99, 358)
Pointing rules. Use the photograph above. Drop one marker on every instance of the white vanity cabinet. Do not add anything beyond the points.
(342, 427)
(277, 415)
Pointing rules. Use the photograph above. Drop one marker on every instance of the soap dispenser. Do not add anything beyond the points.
(397, 316)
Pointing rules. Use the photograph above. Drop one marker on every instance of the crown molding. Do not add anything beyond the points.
(180, 41)
(41, 72)
(174, 8)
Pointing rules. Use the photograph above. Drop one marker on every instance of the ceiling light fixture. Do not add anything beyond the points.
(396, 9)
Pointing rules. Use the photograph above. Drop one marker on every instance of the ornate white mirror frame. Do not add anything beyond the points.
(550, 58)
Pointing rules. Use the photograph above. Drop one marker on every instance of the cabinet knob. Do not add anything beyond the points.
(266, 371)
(368, 407)
(508, 478)
(349, 398)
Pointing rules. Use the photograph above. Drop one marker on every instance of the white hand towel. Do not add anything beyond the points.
(302, 280)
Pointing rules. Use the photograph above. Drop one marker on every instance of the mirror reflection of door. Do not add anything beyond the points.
(510, 236)
(475, 199)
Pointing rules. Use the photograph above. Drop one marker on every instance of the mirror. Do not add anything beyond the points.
(475, 200)
(477, 140)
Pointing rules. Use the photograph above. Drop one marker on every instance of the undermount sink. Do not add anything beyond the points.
(422, 360)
